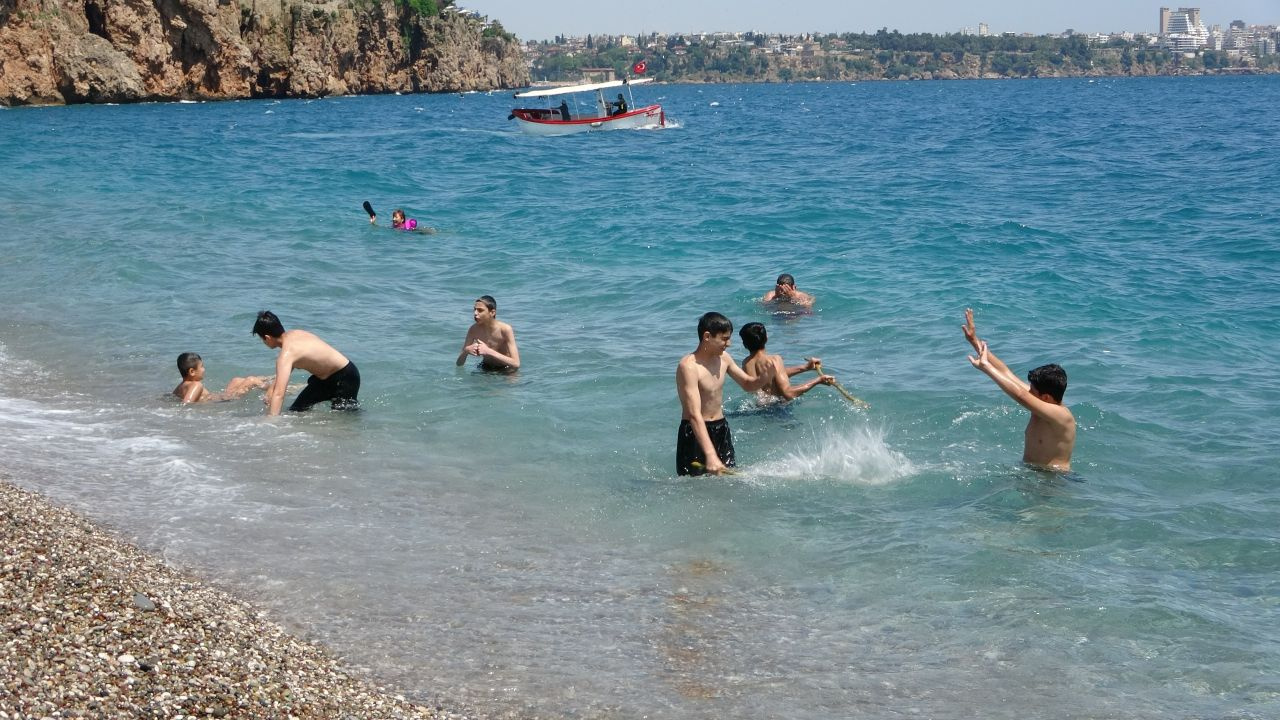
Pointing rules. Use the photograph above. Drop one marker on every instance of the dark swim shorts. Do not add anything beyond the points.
(688, 451)
(341, 388)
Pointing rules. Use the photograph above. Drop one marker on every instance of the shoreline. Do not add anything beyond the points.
(98, 627)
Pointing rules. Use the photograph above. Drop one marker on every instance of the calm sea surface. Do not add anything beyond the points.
(521, 544)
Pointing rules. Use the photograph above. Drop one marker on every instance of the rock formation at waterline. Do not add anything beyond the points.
(77, 51)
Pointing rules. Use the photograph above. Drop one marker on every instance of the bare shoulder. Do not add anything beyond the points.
(1057, 414)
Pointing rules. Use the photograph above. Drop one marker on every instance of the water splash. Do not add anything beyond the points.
(858, 456)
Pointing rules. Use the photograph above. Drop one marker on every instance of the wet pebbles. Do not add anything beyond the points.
(94, 627)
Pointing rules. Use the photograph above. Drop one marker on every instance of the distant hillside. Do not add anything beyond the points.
(77, 51)
(880, 56)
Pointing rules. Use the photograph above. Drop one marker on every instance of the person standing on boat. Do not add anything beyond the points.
(564, 110)
(620, 105)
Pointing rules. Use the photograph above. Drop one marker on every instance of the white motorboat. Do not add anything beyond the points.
(589, 111)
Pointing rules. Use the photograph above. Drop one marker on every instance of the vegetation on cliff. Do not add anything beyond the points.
(73, 51)
(882, 55)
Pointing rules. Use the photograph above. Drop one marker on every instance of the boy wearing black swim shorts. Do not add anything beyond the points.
(333, 377)
(704, 438)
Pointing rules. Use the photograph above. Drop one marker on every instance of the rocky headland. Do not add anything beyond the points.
(101, 51)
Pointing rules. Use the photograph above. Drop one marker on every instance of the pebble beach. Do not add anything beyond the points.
(96, 627)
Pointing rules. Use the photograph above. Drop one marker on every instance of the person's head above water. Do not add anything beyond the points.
(268, 325)
(753, 336)
(786, 280)
(714, 323)
(187, 362)
(485, 309)
(1049, 380)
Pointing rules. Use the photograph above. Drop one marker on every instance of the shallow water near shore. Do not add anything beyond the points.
(520, 543)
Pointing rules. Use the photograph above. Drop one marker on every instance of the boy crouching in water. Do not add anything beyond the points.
(192, 389)
(703, 437)
(1050, 436)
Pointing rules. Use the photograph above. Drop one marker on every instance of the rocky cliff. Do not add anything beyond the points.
(77, 51)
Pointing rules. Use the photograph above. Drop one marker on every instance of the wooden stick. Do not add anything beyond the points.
(856, 401)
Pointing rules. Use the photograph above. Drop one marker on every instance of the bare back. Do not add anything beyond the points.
(191, 391)
(304, 351)
(764, 364)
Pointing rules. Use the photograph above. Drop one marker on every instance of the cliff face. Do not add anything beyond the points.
(75, 51)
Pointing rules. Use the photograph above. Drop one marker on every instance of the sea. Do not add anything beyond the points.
(520, 545)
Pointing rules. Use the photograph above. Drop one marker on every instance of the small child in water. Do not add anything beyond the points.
(192, 389)
(399, 222)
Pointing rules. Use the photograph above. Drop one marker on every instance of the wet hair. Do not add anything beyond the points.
(489, 302)
(396, 212)
(187, 362)
(753, 336)
(786, 279)
(268, 325)
(714, 323)
(1049, 379)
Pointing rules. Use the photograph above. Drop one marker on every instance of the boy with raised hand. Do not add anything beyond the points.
(490, 339)
(1050, 436)
(754, 337)
(192, 389)
(333, 377)
(704, 438)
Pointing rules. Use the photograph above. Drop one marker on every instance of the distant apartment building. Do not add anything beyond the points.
(983, 30)
(1181, 29)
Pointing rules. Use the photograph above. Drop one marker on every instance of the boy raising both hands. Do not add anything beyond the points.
(1051, 433)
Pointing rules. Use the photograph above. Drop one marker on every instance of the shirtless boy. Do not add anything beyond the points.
(1051, 433)
(192, 389)
(785, 291)
(760, 362)
(333, 376)
(704, 436)
(490, 339)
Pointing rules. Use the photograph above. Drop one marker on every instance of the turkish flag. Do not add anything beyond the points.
(639, 68)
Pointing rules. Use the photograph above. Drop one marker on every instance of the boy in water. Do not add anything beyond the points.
(784, 291)
(192, 389)
(333, 376)
(704, 436)
(1051, 433)
(760, 362)
(490, 339)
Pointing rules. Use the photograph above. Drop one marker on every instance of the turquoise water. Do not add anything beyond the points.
(521, 545)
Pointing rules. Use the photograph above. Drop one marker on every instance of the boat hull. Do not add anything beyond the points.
(541, 122)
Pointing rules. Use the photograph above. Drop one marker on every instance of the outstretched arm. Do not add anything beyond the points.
(971, 334)
(809, 364)
(750, 383)
(791, 392)
(1018, 391)
(275, 396)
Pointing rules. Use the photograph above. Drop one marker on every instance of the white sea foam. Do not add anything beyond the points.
(859, 456)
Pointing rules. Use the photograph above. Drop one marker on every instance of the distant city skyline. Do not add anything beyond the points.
(545, 19)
